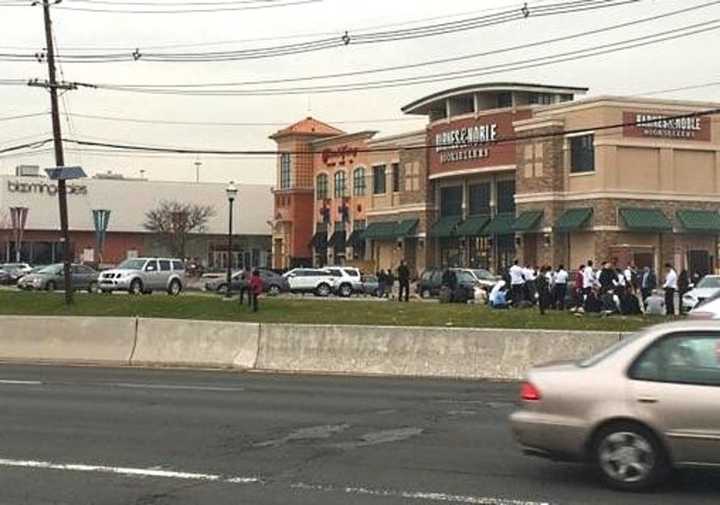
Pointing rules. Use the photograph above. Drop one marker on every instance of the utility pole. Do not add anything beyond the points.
(59, 154)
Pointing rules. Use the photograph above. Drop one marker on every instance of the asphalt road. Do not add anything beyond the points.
(81, 436)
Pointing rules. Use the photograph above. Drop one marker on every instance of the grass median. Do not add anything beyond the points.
(310, 311)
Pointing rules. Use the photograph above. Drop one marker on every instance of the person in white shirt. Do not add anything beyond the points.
(517, 283)
(530, 278)
(589, 280)
(560, 287)
(671, 285)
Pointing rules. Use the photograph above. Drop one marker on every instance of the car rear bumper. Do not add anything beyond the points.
(549, 436)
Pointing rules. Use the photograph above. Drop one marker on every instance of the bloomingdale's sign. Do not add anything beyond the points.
(44, 188)
(463, 144)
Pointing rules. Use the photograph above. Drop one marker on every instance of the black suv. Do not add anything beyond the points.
(431, 281)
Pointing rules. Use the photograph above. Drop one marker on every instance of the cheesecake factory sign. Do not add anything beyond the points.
(645, 124)
(473, 142)
(44, 188)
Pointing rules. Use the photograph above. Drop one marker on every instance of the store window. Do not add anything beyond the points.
(321, 186)
(504, 100)
(451, 199)
(412, 176)
(340, 184)
(506, 197)
(285, 172)
(379, 180)
(541, 99)
(359, 182)
(395, 177)
(582, 154)
(479, 198)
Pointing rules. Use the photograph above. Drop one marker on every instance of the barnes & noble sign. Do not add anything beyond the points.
(670, 126)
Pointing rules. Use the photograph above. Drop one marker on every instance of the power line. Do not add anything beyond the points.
(443, 60)
(567, 56)
(212, 9)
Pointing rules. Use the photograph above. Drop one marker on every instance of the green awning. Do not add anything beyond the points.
(700, 220)
(573, 219)
(407, 228)
(639, 219)
(381, 231)
(319, 241)
(356, 238)
(445, 227)
(473, 226)
(502, 224)
(528, 221)
(337, 240)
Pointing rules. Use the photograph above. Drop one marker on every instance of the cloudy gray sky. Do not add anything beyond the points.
(683, 62)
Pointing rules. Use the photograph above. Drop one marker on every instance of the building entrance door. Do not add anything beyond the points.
(644, 259)
(699, 261)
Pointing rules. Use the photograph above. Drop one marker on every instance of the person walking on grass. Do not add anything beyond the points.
(404, 280)
(671, 286)
(517, 283)
(256, 288)
(561, 282)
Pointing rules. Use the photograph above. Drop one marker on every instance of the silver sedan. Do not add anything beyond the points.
(646, 405)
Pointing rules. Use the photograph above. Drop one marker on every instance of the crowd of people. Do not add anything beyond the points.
(609, 289)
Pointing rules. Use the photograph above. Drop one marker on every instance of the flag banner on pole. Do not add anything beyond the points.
(101, 218)
(18, 216)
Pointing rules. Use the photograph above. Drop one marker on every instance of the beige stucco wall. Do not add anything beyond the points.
(582, 248)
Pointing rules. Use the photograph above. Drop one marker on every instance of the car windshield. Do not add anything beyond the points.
(51, 270)
(465, 277)
(133, 264)
(709, 282)
(597, 358)
(482, 274)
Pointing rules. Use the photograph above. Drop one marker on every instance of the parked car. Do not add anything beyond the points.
(706, 288)
(14, 272)
(707, 309)
(635, 410)
(347, 280)
(273, 283)
(310, 280)
(484, 278)
(430, 281)
(145, 275)
(52, 277)
(370, 285)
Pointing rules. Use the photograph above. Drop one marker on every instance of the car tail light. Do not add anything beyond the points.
(529, 393)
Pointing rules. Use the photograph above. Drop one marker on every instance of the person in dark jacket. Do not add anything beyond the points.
(543, 290)
(683, 286)
(245, 287)
(256, 289)
(404, 280)
(607, 276)
(648, 283)
(389, 283)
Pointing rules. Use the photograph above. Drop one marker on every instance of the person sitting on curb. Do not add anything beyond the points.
(498, 295)
(655, 304)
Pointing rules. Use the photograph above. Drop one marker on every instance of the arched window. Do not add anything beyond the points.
(321, 186)
(359, 182)
(340, 184)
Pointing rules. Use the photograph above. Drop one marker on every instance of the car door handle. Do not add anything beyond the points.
(647, 399)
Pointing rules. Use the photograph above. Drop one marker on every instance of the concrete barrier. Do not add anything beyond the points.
(436, 352)
(101, 340)
(171, 342)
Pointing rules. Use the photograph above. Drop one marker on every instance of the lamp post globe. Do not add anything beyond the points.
(231, 192)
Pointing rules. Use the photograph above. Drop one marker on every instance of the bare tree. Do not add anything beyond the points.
(175, 223)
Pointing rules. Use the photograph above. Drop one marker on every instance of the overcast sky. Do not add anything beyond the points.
(679, 63)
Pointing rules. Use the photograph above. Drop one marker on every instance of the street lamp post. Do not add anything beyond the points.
(231, 192)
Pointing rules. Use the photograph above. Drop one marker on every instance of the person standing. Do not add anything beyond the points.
(589, 281)
(390, 280)
(579, 280)
(530, 275)
(561, 281)
(256, 289)
(382, 279)
(683, 287)
(517, 283)
(607, 278)
(543, 290)
(245, 286)
(648, 283)
(404, 280)
(670, 286)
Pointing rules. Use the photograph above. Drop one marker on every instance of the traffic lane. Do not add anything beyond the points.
(305, 437)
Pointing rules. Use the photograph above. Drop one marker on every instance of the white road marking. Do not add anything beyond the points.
(173, 387)
(20, 383)
(130, 472)
(417, 495)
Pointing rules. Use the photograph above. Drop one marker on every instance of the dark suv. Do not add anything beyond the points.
(431, 281)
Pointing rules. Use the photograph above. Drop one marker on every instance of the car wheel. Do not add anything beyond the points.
(346, 291)
(136, 287)
(274, 290)
(175, 288)
(629, 457)
(425, 293)
(93, 288)
(323, 290)
(50, 286)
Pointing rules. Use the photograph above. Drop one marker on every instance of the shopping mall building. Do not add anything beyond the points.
(128, 201)
(505, 171)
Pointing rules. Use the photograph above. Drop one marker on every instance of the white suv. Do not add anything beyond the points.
(310, 280)
(348, 280)
(144, 275)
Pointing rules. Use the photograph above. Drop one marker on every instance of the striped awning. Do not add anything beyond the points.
(641, 219)
(703, 221)
(573, 219)
(473, 226)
